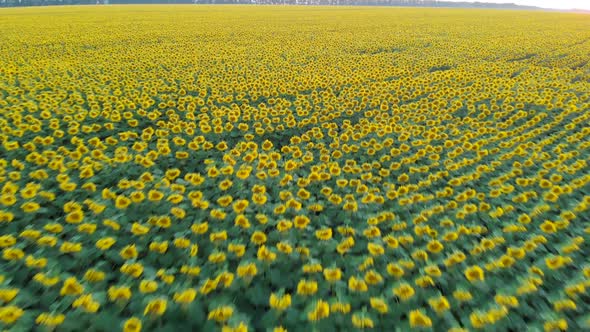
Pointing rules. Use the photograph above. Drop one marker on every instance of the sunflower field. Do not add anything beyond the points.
(253, 168)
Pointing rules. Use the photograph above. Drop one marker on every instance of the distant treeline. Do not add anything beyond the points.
(406, 3)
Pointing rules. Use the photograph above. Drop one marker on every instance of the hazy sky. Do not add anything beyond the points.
(558, 4)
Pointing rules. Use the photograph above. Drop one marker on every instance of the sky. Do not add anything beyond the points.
(556, 4)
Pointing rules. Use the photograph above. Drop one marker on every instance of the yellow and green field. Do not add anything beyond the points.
(233, 168)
